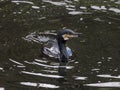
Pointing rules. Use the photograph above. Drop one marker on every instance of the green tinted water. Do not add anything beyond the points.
(96, 64)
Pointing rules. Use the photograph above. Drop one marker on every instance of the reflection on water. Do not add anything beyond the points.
(27, 2)
(39, 85)
(106, 84)
(96, 63)
(43, 75)
(108, 76)
(1, 88)
(61, 3)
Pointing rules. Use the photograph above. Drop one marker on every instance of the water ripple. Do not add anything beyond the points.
(49, 66)
(108, 76)
(82, 7)
(118, 2)
(44, 85)
(55, 3)
(51, 71)
(105, 84)
(115, 10)
(1, 88)
(41, 61)
(80, 78)
(75, 12)
(99, 8)
(2, 69)
(35, 7)
(41, 74)
(16, 62)
(27, 2)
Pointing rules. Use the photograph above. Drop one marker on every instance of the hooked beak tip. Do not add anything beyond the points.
(77, 34)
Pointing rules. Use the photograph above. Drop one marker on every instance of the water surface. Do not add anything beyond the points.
(97, 53)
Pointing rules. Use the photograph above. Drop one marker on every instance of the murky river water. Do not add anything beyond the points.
(96, 65)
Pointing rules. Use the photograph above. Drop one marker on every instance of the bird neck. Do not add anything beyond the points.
(63, 52)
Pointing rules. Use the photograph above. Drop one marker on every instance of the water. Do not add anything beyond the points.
(96, 64)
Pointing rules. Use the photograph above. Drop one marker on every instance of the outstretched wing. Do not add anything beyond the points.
(40, 37)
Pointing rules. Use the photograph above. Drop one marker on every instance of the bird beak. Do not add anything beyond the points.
(68, 36)
(76, 35)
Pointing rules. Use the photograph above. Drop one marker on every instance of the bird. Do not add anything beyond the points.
(55, 47)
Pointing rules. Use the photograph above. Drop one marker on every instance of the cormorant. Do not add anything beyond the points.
(55, 47)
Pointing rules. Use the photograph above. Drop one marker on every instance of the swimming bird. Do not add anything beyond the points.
(56, 46)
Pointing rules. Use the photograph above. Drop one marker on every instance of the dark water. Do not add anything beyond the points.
(96, 65)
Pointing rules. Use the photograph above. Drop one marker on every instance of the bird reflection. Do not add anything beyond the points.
(62, 69)
(62, 72)
(68, 81)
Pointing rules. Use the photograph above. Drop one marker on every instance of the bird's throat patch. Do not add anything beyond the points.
(66, 36)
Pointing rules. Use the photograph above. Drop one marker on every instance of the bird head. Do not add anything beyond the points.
(66, 34)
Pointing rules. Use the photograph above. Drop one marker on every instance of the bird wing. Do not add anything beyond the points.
(40, 37)
(51, 49)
